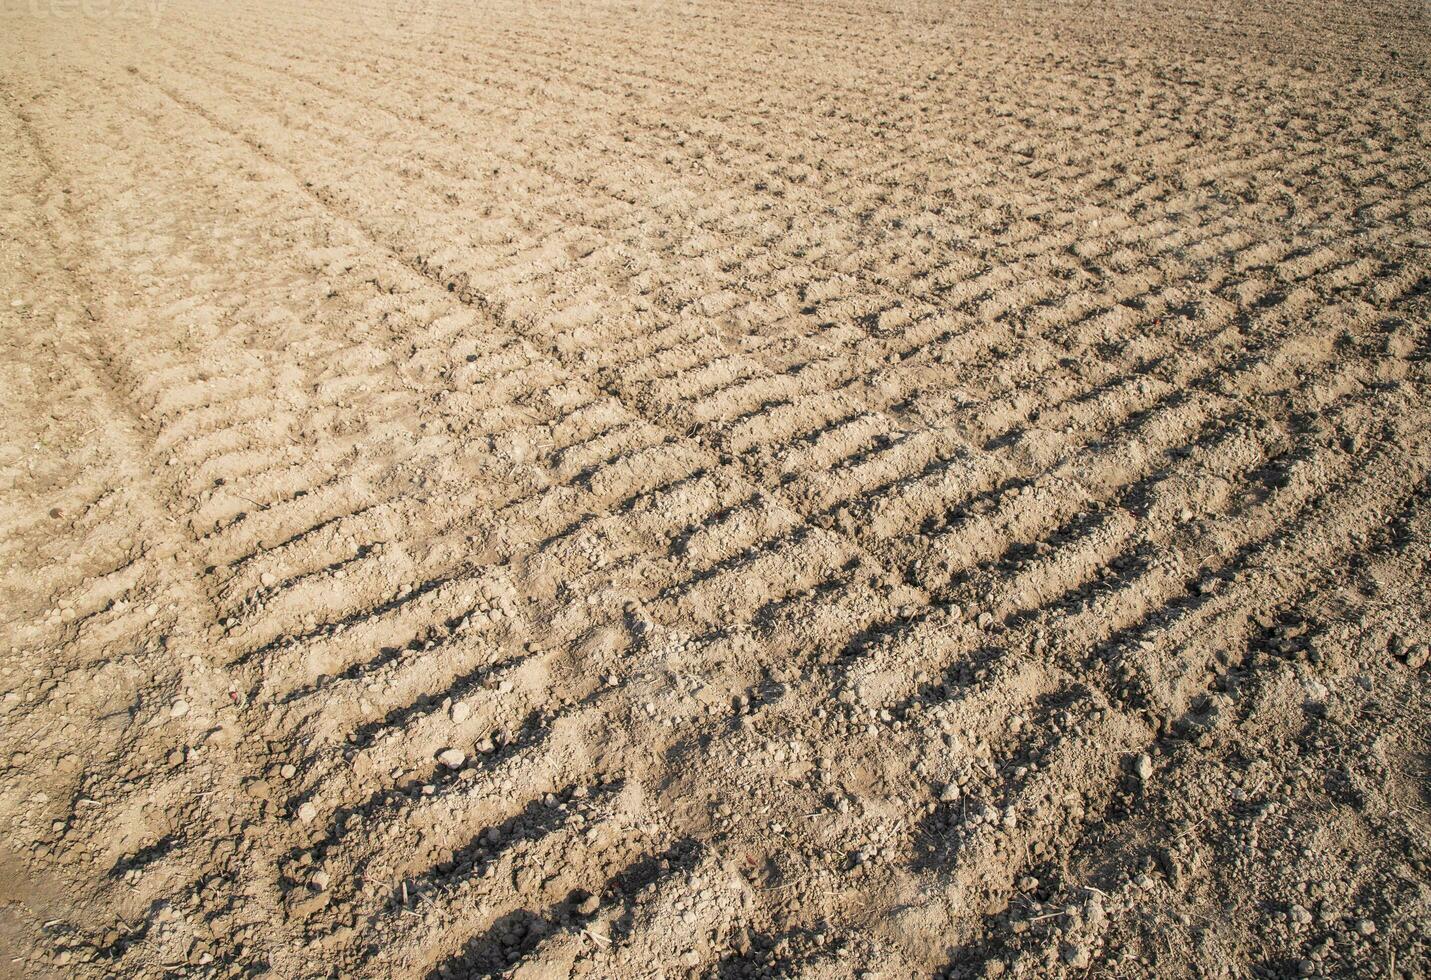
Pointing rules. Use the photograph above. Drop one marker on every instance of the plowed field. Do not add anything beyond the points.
(729, 489)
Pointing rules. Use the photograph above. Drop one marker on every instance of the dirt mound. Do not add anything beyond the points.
(726, 490)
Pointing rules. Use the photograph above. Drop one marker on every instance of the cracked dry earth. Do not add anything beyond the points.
(737, 489)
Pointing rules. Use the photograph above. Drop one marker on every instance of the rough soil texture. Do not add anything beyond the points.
(737, 489)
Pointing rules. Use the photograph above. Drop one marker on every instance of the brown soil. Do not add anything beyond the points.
(635, 489)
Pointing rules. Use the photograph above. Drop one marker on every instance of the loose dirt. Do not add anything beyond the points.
(737, 489)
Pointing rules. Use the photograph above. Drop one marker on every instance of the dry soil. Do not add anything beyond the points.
(727, 489)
